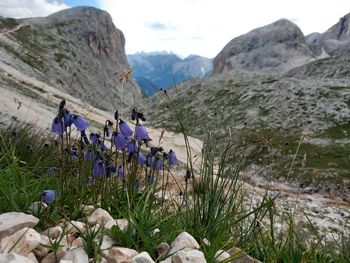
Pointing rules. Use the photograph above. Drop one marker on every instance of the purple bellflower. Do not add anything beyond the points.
(68, 118)
(159, 165)
(80, 123)
(48, 196)
(125, 129)
(120, 141)
(88, 156)
(141, 159)
(131, 146)
(58, 126)
(141, 133)
(99, 168)
(172, 158)
(94, 137)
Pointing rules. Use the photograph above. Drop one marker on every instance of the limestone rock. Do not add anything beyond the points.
(143, 257)
(120, 254)
(51, 258)
(22, 242)
(14, 258)
(221, 255)
(277, 47)
(14, 221)
(190, 256)
(42, 250)
(99, 216)
(32, 257)
(162, 249)
(77, 255)
(75, 227)
(88, 209)
(183, 241)
(241, 256)
(53, 232)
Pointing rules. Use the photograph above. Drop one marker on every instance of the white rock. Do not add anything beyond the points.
(32, 257)
(241, 256)
(88, 209)
(143, 257)
(66, 261)
(123, 224)
(167, 260)
(107, 242)
(14, 258)
(221, 255)
(79, 242)
(99, 216)
(110, 224)
(120, 254)
(183, 241)
(42, 250)
(75, 227)
(22, 242)
(51, 258)
(53, 232)
(14, 221)
(162, 249)
(37, 206)
(77, 255)
(191, 256)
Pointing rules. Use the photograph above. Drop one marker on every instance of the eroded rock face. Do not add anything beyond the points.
(14, 221)
(78, 50)
(279, 46)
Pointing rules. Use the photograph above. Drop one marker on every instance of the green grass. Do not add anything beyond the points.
(212, 208)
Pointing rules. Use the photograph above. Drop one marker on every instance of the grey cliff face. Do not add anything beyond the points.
(279, 46)
(78, 50)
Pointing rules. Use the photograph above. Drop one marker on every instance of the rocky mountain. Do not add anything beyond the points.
(267, 89)
(161, 70)
(334, 42)
(78, 50)
(277, 47)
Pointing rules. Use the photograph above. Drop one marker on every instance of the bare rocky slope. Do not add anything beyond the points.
(77, 50)
(267, 108)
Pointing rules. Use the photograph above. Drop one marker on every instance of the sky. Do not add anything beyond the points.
(185, 27)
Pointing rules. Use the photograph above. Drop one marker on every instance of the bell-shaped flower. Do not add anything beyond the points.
(125, 129)
(80, 123)
(68, 118)
(141, 133)
(48, 196)
(88, 156)
(106, 131)
(99, 168)
(58, 126)
(172, 158)
(94, 137)
(141, 159)
(131, 146)
(159, 164)
(120, 141)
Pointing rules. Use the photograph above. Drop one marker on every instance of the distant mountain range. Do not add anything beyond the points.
(162, 70)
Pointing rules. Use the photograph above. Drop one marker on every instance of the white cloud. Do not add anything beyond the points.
(29, 8)
(205, 26)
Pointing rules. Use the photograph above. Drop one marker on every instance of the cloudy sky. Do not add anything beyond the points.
(191, 26)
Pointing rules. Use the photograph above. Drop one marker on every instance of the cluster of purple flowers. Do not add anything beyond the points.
(123, 139)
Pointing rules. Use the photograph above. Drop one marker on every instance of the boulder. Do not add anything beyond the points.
(183, 241)
(190, 256)
(99, 216)
(77, 255)
(143, 257)
(13, 221)
(120, 254)
(22, 242)
(14, 258)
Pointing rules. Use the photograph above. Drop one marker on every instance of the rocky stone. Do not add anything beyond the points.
(279, 46)
(43, 249)
(107, 243)
(79, 242)
(241, 256)
(54, 257)
(143, 257)
(183, 241)
(221, 255)
(22, 242)
(14, 258)
(99, 216)
(190, 256)
(77, 255)
(53, 232)
(162, 249)
(75, 227)
(37, 206)
(13, 221)
(120, 254)
(88, 209)
(32, 257)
